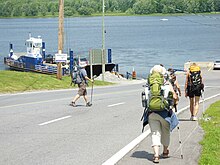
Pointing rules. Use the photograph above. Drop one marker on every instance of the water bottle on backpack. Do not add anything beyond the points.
(145, 96)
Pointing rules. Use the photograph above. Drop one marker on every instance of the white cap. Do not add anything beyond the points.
(82, 64)
(158, 68)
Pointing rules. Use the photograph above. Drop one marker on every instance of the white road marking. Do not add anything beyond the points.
(112, 105)
(37, 102)
(52, 121)
(54, 100)
(120, 154)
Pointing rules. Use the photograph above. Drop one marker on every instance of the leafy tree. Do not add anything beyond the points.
(96, 5)
(130, 11)
(34, 9)
(53, 8)
(210, 6)
(7, 9)
(1, 7)
(112, 5)
(85, 10)
(125, 4)
(17, 11)
(180, 6)
(43, 9)
(216, 5)
(87, 7)
(144, 7)
(68, 11)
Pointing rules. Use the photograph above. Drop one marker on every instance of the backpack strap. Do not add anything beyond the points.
(82, 77)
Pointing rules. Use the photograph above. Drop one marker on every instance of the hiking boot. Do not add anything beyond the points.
(88, 104)
(194, 118)
(72, 104)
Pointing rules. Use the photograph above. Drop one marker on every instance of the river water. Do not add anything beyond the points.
(137, 42)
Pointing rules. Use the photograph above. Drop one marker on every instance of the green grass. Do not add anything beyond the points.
(14, 81)
(211, 142)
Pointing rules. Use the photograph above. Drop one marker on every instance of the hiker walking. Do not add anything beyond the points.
(82, 85)
(159, 126)
(176, 87)
(193, 87)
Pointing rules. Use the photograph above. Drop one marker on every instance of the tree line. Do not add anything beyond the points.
(43, 8)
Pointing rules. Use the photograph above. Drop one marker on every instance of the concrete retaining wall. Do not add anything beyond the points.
(203, 65)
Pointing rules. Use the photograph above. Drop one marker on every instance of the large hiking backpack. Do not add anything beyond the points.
(155, 97)
(76, 76)
(157, 102)
(195, 79)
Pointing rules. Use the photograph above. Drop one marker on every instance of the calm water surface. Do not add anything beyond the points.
(137, 42)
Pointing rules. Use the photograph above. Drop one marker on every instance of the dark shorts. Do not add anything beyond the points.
(82, 89)
(194, 93)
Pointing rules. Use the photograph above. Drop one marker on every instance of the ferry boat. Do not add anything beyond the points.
(32, 59)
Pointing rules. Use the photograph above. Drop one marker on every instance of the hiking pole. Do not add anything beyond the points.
(91, 93)
(92, 88)
(180, 142)
(203, 104)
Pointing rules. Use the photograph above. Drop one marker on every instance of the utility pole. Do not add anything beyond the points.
(60, 36)
(103, 40)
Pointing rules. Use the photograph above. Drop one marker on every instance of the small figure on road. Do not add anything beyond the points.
(176, 87)
(82, 85)
(193, 89)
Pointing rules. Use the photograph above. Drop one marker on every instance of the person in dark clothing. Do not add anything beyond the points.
(193, 89)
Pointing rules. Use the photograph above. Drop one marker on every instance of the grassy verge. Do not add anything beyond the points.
(211, 142)
(13, 81)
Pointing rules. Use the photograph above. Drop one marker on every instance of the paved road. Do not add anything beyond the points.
(40, 127)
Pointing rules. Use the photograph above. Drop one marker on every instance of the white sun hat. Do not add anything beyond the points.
(158, 68)
(82, 64)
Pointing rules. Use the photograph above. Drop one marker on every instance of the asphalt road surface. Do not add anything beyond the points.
(40, 128)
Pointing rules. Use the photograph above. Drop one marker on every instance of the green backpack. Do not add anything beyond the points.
(157, 102)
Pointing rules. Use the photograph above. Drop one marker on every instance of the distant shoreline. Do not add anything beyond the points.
(114, 14)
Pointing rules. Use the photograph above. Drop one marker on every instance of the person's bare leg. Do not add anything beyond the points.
(85, 98)
(196, 108)
(165, 152)
(175, 107)
(191, 106)
(165, 149)
(76, 98)
(156, 150)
